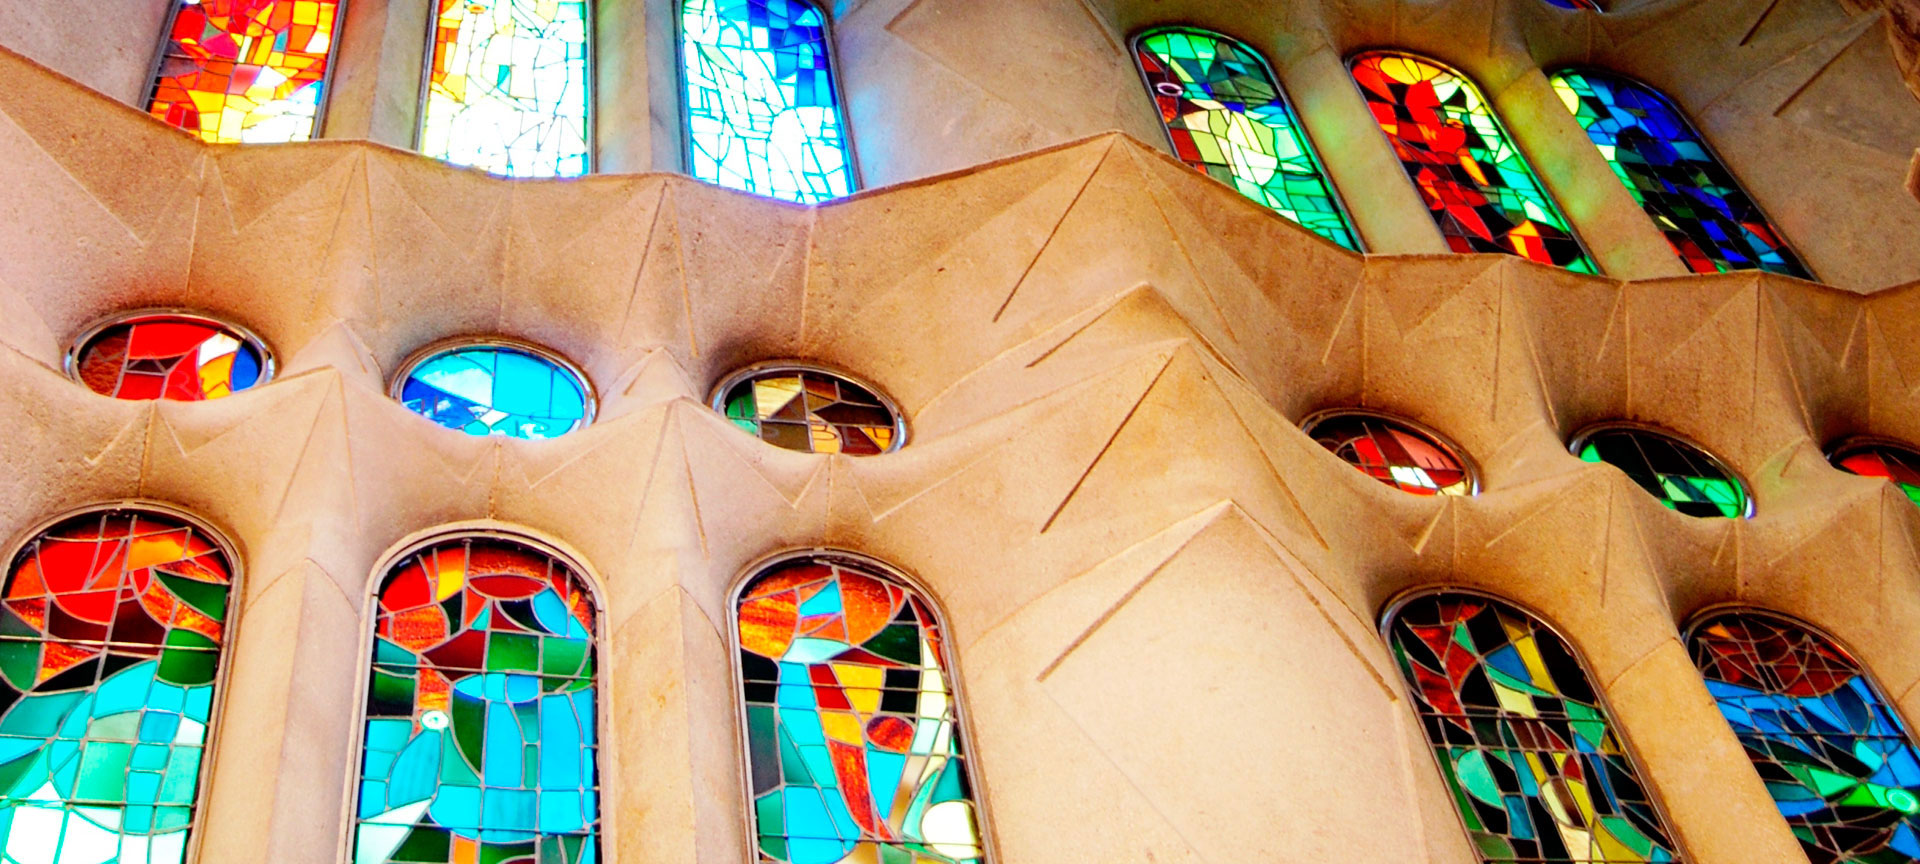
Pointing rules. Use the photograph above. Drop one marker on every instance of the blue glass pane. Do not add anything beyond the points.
(496, 390)
(763, 111)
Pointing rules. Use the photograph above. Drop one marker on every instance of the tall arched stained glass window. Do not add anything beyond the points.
(481, 727)
(1829, 746)
(251, 71)
(1536, 769)
(854, 744)
(506, 90)
(1227, 117)
(763, 105)
(110, 642)
(1480, 189)
(1710, 221)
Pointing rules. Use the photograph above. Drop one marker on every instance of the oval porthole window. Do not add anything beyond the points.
(810, 409)
(1400, 453)
(495, 387)
(1873, 457)
(1680, 474)
(164, 354)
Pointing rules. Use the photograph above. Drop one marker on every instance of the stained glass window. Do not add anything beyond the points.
(1395, 452)
(763, 107)
(1523, 740)
(167, 355)
(853, 736)
(496, 388)
(1826, 741)
(1708, 219)
(1683, 476)
(1589, 5)
(1899, 464)
(1228, 118)
(249, 71)
(481, 726)
(1483, 194)
(507, 91)
(810, 410)
(110, 640)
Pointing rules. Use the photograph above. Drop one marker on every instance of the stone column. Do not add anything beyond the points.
(1624, 242)
(1385, 207)
(377, 69)
(636, 87)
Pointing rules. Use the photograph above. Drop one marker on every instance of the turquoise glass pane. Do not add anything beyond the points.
(763, 108)
(497, 390)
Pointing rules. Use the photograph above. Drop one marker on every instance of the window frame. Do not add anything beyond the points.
(856, 181)
(592, 135)
(1581, 435)
(1397, 603)
(1573, 229)
(70, 361)
(451, 532)
(957, 688)
(326, 79)
(1286, 99)
(1706, 144)
(230, 632)
(717, 399)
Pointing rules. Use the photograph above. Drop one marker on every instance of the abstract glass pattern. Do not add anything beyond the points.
(480, 736)
(248, 71)
(1228, 118)
(1708, 219)
(811, 411)
(1897, 464)
(763, 109)
(853, 738)
(1680, 475)
(110, 639)
(183, 358)
(1394, 453)
(494, 389)
(1589, 5)
(1521, 737)
(507, 91)
(1827, 743)
(1483, 194)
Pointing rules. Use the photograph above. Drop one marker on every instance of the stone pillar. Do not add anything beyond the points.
(636, 87)
(1624, 242)
(377, 69)
(110, 48)
(1385, 207)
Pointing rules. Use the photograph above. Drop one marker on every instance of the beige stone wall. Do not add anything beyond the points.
(1804, 99)
(1163, 595)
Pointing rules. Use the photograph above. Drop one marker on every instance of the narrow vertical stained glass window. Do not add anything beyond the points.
(110, 640)
(507, 89)
(1710, 221)
(1826, 741)
(853, 737)
(480, 737)
(1522, 739)
(249, 71)
(1227, 117)
(1480, 189)
(763, 108)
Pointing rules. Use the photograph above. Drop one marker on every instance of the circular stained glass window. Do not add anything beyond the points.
(1680, 474)
(495, 387)
(1870, 457)
(811, 410)
(1399, 453)
(179, 356)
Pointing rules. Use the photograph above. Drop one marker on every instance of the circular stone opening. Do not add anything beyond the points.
(495, 387)
(1398, 452)
(811, 409)
(1679, 473)
(177, 356)
(1894, 462)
